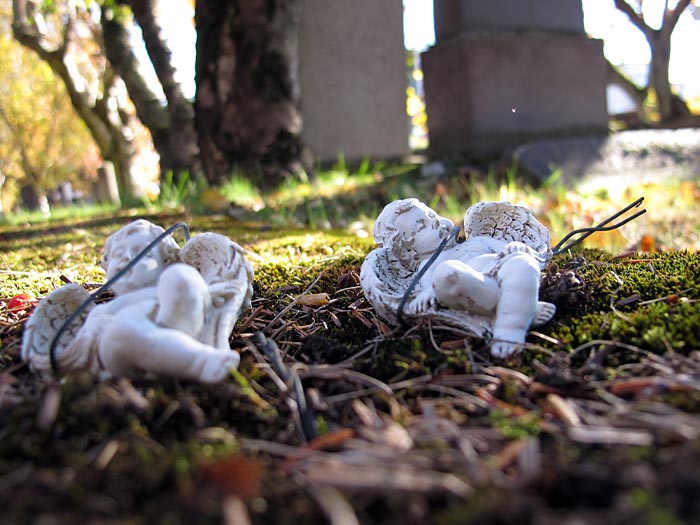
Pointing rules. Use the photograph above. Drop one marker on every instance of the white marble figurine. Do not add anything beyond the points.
(488, 284)
(172, 315)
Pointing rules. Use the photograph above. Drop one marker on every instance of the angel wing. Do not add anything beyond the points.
(509, 223)
(46, 320)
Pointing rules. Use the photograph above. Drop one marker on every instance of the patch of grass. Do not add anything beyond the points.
(240, 190)
(73, 212)
(184, 191)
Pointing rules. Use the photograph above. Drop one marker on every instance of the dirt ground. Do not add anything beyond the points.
(336, 417)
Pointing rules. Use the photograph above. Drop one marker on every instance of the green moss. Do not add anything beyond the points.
(515, 427)
(651, 509)
(650, 301)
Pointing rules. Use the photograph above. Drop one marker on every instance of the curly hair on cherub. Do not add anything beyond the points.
(126, 243)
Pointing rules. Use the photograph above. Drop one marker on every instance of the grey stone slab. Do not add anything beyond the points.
(352, 71)
(487, 91)
(629, 156)
(453, 17)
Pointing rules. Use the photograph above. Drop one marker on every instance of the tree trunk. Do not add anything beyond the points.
(658, 75)
(172, 125)
(247, 110)
(103, 115)
(670, 106)
(30, 197)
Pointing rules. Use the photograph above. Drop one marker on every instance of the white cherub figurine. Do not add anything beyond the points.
(487, 284)
(173, 312)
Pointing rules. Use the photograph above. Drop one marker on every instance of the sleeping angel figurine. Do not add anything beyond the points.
(487, 284)
(173, 313)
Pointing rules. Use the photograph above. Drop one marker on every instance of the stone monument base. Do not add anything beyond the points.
(352, 69)
(489, 91)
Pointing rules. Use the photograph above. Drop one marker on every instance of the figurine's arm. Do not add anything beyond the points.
(183, 299)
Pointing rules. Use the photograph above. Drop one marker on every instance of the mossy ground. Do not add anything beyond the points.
(596, 422)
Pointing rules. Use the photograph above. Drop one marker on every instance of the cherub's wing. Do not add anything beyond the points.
(509, 223)
(383, 283)
(41, 328)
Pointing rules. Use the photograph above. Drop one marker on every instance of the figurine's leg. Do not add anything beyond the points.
(519, 278)
(132, 343)
(183, 298)
(458, 285)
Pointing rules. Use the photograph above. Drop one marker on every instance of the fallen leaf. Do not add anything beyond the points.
(21, 302)
(314, 299)
(234, 475)
(331, 440)
(647, 244)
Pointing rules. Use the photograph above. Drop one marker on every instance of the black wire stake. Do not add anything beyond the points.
(399, 313)
(105, 287)
(601, 227)
(307, 419)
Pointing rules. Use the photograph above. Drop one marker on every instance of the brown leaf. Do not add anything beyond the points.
(331, 440)
(234, 475)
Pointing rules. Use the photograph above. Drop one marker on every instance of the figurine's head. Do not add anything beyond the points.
(507, 222)
(125, 244)
(411, 229)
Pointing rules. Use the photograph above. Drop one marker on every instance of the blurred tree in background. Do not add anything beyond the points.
(247, 104)
(42, 143)
(248, 94)
(170, 119)
(88, 46)
(669, 107)
(68, 39)
(246, 115)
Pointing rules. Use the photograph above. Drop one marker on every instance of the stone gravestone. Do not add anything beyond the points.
(506, 71)
(352, 69)
(105, 188)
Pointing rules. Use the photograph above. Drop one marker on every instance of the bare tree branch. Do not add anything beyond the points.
(636, 18)
(180, 139)
(671, 16)
(117, 44)
(99, 111)
(615, 76)
(670, 106)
